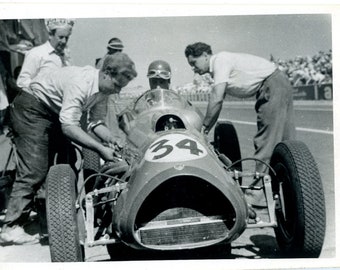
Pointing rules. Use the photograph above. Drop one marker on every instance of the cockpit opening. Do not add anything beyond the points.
(169, 122)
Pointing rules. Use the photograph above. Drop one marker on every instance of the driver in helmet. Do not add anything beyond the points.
(159, 74)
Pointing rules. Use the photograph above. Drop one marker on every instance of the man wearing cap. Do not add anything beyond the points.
(48, 56)
(159, 74)
(114, 45)
(55, 103)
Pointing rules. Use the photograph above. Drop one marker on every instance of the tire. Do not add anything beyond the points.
(62, 223)
(91, 165)
(301, 221)
(226, 142)
(91, 160)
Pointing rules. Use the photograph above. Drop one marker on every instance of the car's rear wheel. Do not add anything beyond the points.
(227, 143)
(62, 223)
(300, 212)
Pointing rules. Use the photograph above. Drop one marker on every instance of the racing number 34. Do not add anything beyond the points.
(183, 144)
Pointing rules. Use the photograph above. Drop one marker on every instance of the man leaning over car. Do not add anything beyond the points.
(244, 75)
(56, 102)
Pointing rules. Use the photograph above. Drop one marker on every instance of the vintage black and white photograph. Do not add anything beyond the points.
(144, 137)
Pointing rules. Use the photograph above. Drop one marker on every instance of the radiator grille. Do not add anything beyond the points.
(183, 231)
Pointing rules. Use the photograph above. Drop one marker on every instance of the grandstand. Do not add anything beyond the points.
(307, 70)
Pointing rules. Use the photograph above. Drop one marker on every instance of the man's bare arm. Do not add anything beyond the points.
(77, 135)
(214, 106)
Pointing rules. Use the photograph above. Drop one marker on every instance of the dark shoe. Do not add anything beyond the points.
(44, 240)
(256, 198)
(17, 236)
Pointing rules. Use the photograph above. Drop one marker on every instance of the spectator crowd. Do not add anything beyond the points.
(307, 70)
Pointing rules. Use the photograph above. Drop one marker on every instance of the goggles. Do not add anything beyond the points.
(155, 73)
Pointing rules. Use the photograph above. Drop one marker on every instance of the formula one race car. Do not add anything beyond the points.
(170, 189)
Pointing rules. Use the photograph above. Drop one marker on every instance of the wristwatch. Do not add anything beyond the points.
(93, 125)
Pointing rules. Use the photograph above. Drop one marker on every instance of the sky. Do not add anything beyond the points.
(151, 38)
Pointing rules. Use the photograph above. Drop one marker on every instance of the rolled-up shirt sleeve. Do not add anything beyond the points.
(72, 105)
(222, 69)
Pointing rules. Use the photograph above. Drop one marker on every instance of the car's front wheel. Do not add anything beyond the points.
(62, 223)
(300, 208)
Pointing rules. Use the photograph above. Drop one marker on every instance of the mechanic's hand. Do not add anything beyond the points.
(117, 146)
(119, 143)
(107, 153)
(114, 145)
(117, 149)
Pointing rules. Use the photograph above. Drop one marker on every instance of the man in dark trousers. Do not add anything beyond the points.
(41, 117)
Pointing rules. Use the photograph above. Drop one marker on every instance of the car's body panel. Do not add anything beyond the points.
(172, 151)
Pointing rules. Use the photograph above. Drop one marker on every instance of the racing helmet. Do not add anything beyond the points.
(159, 69)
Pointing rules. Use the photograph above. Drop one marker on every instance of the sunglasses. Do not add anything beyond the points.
(154, 73)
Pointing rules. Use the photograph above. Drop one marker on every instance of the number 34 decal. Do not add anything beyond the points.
(175, 147)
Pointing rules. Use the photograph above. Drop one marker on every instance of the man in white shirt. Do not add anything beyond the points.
(55, 103)
(48, 56)
(244, 75)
